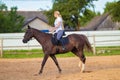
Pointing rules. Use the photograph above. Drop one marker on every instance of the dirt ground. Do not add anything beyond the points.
(97, 68)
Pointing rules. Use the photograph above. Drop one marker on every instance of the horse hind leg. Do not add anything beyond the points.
(82, 65)
(82, 61)
(82, 58)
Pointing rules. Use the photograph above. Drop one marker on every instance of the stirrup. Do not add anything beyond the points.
(63, 48)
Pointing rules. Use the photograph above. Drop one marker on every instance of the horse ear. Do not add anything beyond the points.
(29, 27)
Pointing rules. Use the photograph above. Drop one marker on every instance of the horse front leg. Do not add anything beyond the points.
(43, 62)
(56, 62)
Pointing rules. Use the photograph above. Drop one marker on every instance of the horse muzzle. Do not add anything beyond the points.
(24, 41)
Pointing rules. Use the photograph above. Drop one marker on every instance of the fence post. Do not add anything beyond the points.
(94, 45)
(1, 47)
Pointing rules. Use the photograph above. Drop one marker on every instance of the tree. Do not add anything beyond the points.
(87, 16)
(15, 21)
(3, 7)
(10, 21)
(3, 10)
(114, 9)
(70, 10)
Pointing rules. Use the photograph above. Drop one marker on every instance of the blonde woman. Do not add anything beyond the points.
(58, 27)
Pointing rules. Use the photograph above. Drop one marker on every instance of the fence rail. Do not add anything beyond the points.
(96, 38)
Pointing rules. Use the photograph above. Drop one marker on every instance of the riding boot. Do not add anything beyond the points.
(63, 46)
(55, 38)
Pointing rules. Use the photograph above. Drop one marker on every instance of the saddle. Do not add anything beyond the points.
(63, 40)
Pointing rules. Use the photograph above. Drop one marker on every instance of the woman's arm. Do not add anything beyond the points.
(57, 25)
(52, 29)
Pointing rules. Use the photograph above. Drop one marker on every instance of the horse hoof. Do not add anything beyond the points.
(36, 74)
(82, 71)
(60, 71)
(40, 72)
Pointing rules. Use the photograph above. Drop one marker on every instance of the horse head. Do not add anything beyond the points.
(28, 35)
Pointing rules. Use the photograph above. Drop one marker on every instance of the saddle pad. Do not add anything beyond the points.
(64, 40)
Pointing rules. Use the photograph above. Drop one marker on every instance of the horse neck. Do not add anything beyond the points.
(40, 37)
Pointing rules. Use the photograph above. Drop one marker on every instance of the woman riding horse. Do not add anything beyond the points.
(76, 45)
(58, 27)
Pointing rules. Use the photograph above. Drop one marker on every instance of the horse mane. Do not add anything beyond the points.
(49, 34)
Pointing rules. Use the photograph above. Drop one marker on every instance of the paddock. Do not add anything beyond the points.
(10, 41)
(97, 68)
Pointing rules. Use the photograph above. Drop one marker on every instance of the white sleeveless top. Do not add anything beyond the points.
(57, 20)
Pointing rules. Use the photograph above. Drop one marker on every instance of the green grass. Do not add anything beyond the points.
(23, 53)
(35, 53)
(32, 54)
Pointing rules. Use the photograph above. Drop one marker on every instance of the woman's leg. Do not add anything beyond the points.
(59, 34)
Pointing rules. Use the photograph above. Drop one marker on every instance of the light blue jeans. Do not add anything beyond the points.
(60, 34)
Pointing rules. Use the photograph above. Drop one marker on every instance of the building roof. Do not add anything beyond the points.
(32, 14)
(32, 19)
(95, 22)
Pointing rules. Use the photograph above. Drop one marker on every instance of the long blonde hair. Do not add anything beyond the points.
(58, 13)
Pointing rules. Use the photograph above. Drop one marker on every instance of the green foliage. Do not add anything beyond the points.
(87, 16)
(70, 11)
(10, 21)
(114, 9)
(109, 6)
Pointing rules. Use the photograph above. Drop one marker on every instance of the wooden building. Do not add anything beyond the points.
(35, 19)
(37, 23)
(101, 23)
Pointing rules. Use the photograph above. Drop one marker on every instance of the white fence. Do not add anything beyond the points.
(96, 38)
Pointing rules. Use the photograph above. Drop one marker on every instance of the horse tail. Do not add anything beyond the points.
(87, 44)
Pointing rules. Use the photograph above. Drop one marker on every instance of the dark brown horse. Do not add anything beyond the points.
(76, 45)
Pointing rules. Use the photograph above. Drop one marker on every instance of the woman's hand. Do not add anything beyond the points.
(52, 29)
